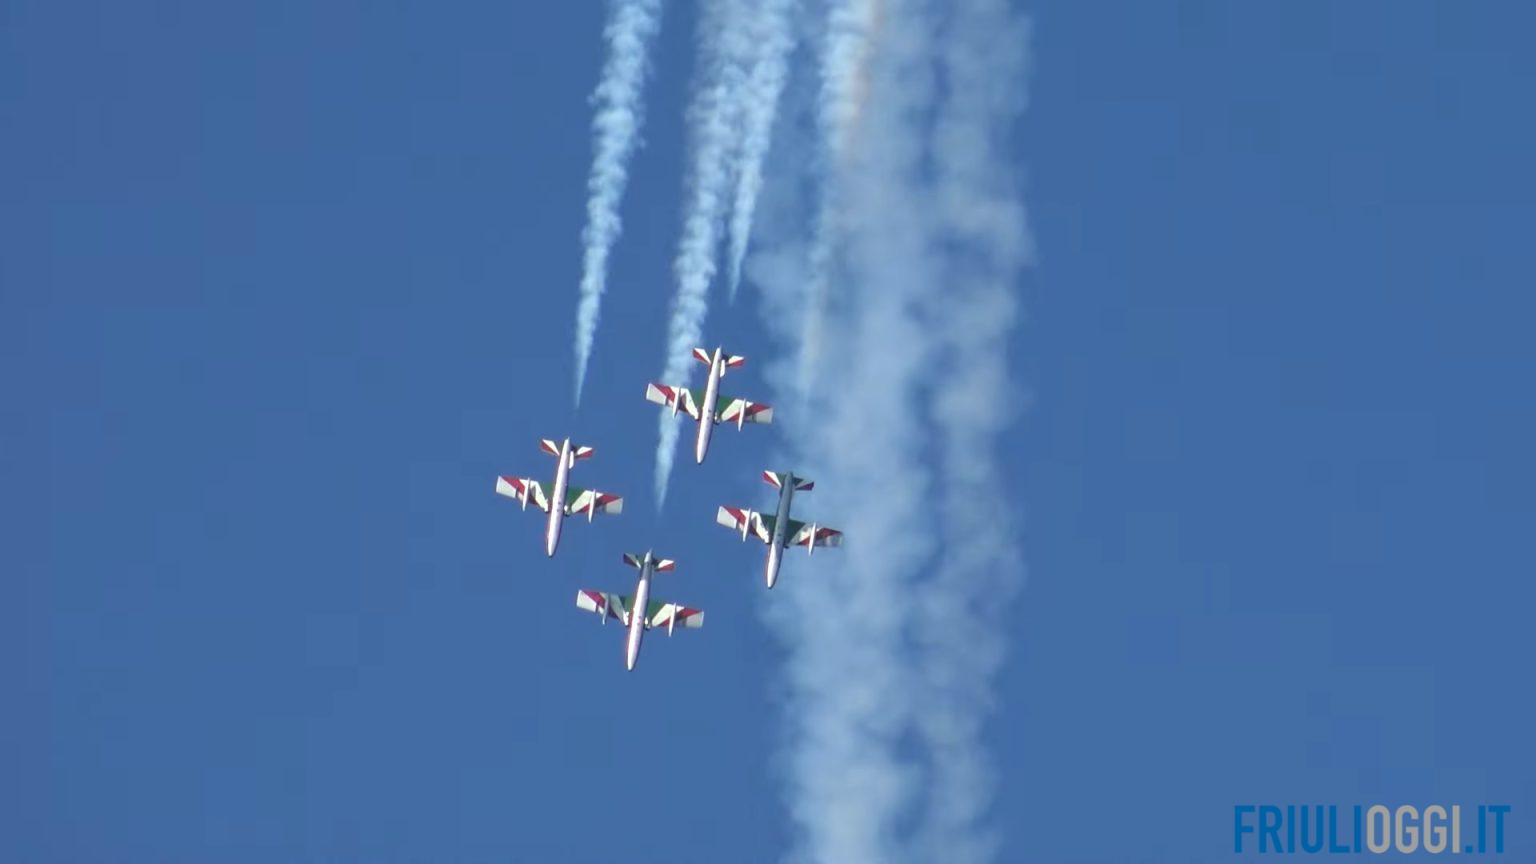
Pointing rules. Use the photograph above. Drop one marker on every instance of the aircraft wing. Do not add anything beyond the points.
(591, 501)
(669, 615)
(614, 606)
(523, 490)
(678, 398)
(731, 410)
(801, 534)
(754, 522)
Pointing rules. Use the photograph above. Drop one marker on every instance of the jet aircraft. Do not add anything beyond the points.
(563, 499)
(637, 611)
(707, 406)
(779, 531)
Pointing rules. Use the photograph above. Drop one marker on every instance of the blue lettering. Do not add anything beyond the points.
(1269, 828)
(1238, 828)
(1333, 831)
(1358, 832)
(1290, 829)
(1315, 844)
(1498, 811)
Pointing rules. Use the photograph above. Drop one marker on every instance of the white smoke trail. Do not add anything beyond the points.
(892, 648)
(851, 27)
(632, 25)
(981, 225)
(773, 38)
(713, 117)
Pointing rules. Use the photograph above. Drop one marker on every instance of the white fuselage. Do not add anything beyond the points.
(707, 410)
(557, 499)
(637, 612)
(780, 532)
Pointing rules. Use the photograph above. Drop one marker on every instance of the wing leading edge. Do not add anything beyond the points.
(523, 490)
(746, 522)
(591, 502)
(675, 398)
(800, 534)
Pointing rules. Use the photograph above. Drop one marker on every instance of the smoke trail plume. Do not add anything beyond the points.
(632, 25)
(845, 53)
(773, 39)
(713, 117)
(893, 642)
(981, 223)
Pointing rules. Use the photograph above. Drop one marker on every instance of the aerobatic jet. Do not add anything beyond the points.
(563, 499)
(779, 531)
(708, 407)
(638, 611)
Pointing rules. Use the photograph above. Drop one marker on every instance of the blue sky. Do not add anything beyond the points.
(285, 287)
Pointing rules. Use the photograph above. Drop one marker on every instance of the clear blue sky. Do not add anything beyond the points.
(285, 285)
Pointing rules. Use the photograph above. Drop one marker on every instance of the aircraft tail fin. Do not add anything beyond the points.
(776, 480)
(638, 562)
(731, 360)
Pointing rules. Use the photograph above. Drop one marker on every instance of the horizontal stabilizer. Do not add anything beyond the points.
(776, 480)
(638, 562)
(731, 360)
(549, 447)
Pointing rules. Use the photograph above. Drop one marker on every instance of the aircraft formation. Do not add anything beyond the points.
(637, 612)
